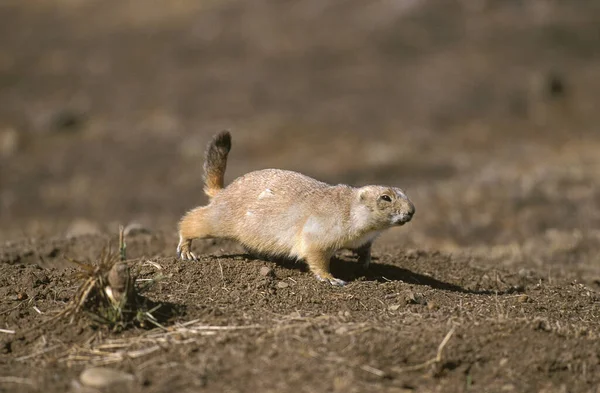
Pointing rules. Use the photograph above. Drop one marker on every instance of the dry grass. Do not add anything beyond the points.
(118, 350)
(107, 293)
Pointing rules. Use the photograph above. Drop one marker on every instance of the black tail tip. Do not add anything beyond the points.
(223, 140)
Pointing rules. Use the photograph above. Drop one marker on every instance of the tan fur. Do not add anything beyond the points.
(284, 213)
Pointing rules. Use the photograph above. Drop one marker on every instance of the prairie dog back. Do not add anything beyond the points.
(284, 213)
(273, 206)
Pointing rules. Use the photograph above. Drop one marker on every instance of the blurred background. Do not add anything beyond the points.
(484, 111)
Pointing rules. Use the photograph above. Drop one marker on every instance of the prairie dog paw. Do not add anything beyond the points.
(336, 282)
(183, 251)
(365, 263)
(187, 256)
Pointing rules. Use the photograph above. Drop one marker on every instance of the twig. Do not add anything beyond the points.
(436, 359)
(12, 308)
(151, 263)
(7, 331)
(36, 354)
(118, 350)
(122, 244)
(221, 268)
(373, 370)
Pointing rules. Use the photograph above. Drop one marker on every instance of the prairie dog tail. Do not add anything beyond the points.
(215, 162)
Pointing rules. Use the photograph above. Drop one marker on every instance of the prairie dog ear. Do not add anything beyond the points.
(362, 194)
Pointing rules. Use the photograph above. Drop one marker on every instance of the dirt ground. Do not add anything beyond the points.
(486, 113)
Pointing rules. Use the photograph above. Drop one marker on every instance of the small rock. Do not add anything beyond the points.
(523, 298)
(432, 306)
(542, 324)
(394, 307)
(101, 377)
(135, 228)
(77, 387)
(341, 330)
(266, 271)
(119, 283)
(282, 284)
(82, 227)
(415, 298)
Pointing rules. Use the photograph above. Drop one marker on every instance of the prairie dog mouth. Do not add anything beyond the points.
(400, 219)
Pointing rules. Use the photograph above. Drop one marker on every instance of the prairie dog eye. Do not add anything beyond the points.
(386, 198)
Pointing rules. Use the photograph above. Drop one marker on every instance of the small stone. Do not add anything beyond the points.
(266, 271)
(282, 284)
(523, 298)
(432, 306)
(394, 307)
(78, 387)
(542, 324)
(102, 377)
(415, 298)
(119, 282)
(118, 276)
(341, 330)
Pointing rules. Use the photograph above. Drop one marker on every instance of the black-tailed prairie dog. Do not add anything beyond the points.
(286, 214)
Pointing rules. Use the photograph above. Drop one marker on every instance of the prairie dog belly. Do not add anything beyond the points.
(274, 230)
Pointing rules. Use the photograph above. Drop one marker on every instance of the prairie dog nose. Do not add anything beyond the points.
(411, 210)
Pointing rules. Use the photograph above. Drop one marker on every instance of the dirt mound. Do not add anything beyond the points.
(510, 331)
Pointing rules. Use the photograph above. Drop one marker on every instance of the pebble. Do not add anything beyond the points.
(282, 284)
(523, 299)
(101, 377)
(118, 276)
(266, 271)
(415, 298)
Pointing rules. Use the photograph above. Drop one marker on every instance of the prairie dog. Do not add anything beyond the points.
(283, 213)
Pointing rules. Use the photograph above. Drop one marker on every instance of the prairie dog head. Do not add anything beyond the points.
(383, 207)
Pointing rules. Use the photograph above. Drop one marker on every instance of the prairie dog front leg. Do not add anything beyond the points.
(319, 262)
(364, 255)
